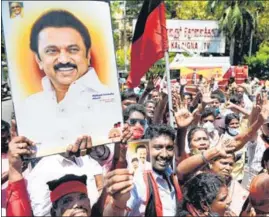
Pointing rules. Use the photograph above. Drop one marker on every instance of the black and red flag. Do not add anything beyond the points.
(149, 41)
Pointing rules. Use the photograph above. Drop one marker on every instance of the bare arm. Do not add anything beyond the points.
(243, 138)
(195, 162)
(238, 108)
(160, 109)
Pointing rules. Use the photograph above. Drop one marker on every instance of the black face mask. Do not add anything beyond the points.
(265, 138)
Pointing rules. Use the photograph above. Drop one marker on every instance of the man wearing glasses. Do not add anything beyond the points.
(16, 10)
(135, 116)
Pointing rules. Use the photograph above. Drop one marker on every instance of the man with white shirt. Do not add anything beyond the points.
(152, 193)
(141, 151)
(73, 102)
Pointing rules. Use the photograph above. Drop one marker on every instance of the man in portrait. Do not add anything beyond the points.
(16, 9)
(73, 101)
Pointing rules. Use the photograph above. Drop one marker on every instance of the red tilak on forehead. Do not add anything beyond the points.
(67, 188)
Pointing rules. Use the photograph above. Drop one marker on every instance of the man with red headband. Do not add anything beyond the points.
(69, 196)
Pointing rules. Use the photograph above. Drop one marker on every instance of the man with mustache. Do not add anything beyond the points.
(141, 151)
(151, 193)
(73, 96)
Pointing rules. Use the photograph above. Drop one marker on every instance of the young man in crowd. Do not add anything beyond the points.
(207, 122)
(135, 116)
(150, 106)
(128, 98)
(152, 193)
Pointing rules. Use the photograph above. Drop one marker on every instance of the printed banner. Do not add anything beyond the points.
(195, 35)
(63, 72)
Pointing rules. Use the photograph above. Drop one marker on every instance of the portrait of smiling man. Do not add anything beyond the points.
(16, 9)
(73, 103)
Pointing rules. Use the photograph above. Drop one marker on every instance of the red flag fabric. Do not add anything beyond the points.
(150, 40)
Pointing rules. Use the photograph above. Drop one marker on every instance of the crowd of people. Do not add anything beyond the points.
(214, 161)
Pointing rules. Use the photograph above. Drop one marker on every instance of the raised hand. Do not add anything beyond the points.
(264, 114)
(183, 117)
(206, 96)
(225, 146)
(118, 184)
(150, 85)
(18, 147)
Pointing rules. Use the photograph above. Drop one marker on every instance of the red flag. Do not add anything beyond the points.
(150, 40)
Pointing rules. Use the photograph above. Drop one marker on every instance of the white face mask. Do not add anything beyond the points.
(233, 131)
(209, 126)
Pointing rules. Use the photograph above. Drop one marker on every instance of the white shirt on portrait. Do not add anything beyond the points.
(88, 108)
(55, 167)
(138, 195)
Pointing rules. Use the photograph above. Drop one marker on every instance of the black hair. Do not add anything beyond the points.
(231, 80)
(216, 96)
(208, 112)
(265, 158)
(155, 131)
(148, 102)
(128, 94)
(59, 19)
(188, 94)
(134, 159)
(230, 117)
(132, 108)
(5, 127)
(192, 131)
(140, 146)
(236, 99)
(200, 190)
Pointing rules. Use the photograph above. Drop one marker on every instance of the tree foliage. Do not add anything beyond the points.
(259, 63)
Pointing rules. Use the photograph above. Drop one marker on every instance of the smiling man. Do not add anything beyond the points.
(16, 9)
(158, 187)
(73, 98)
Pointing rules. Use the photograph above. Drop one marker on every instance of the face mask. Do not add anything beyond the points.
(217, 111)
(209, 126)
(138, 132)
(233, 132)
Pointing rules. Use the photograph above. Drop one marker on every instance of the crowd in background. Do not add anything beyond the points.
(213, 161)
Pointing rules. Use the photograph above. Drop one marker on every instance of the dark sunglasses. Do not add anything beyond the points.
(132, 122)
(15, 7)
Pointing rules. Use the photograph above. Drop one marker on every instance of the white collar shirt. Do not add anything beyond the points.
(138, 195)
(54, 167)
(84, 110)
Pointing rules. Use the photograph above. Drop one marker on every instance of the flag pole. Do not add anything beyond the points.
(169, 89)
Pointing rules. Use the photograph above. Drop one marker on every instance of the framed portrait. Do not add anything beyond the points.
(62, 68)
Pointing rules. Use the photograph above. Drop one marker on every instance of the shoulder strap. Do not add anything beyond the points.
(177, 187)
(151, 183)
